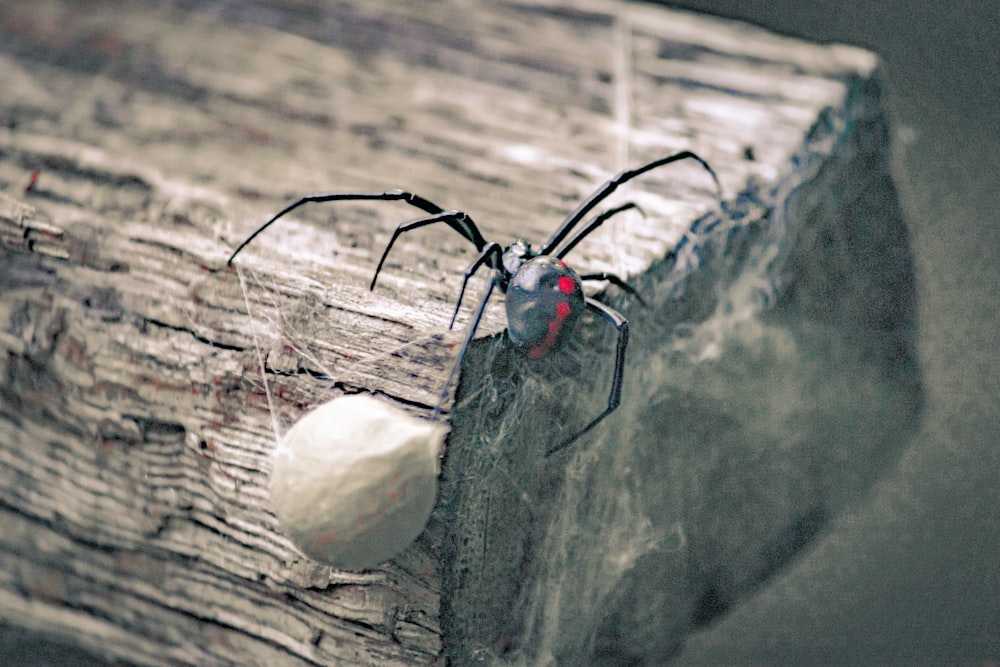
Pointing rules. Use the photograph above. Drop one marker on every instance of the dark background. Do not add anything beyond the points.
(911, 575)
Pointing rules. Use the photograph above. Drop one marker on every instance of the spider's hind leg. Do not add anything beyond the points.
(617, 282)
(593, 224)
(614, 398)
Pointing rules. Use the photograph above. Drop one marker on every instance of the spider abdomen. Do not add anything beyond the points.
(544, 301)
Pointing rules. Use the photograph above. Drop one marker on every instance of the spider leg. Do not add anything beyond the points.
(470, 232)
(621, 324)
(605, 190)
(594, 223)
(470, 332)
(617, 282)
(457, 220)
(492, 254)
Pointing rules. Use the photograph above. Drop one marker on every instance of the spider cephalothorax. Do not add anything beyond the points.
(545, 298)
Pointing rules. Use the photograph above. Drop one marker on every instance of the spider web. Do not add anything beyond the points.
(275, 328)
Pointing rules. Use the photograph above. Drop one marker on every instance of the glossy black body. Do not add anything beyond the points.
(544, 302)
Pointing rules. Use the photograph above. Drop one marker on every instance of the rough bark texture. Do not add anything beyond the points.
(135, 430)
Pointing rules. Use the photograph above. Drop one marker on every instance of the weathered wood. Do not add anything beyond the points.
(135, 427)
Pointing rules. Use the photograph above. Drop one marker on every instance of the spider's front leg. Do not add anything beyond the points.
(389, 195)
(608, 188)
(492, 254)
(593, 224)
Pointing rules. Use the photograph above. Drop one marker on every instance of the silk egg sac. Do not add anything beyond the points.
(354, 480)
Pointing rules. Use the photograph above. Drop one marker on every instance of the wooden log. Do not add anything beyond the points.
(144, 385)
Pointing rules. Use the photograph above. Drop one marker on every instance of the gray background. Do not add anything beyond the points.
(911, 575)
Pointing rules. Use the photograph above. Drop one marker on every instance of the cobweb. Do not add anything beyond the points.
(286, 348)
(558, 540)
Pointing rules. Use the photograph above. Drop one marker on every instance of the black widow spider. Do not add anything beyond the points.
(545, 297)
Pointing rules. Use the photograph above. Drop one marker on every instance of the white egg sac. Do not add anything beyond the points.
(354, 480)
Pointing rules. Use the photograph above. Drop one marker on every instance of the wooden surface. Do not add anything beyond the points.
(135, 428)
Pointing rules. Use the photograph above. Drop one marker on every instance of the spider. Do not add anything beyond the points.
(544, 296)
